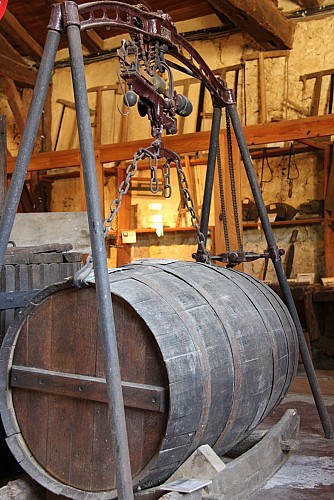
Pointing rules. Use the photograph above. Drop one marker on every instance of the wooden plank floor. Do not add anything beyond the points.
(309, 472)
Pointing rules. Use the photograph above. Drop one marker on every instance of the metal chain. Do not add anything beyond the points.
(153, 157)
(166, 179)
(232, 178)
(148, 57)
(123, 189)
(222, 198)
(82, 274)
(154, 183)
(191, 207)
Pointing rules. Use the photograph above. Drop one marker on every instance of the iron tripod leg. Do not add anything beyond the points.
(286, 292)
(115, 399)
(105, 311)
(28, 139)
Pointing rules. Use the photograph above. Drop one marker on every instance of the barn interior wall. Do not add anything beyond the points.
(312, 51)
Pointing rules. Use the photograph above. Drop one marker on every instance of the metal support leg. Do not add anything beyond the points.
(286, 292)
(113, 377)
(28, 139)
(210, 172)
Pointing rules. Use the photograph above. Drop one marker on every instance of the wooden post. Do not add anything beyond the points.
(98, 115)
(329, 210)
(3, 163)
(124, 220)
(262, 90)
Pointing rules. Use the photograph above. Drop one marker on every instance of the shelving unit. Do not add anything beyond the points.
(285, 223)
(304, 130)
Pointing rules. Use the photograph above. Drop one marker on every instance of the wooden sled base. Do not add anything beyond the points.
(244, 470)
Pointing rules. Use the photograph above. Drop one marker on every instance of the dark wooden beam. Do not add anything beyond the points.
(15, 102)
(18, 72)
(11, 27)
(307, 4)
(3, 163)
(92, 41)
(8, 50)
(261, 19)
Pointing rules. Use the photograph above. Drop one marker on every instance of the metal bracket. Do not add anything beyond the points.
(14, 300)
(237, 257)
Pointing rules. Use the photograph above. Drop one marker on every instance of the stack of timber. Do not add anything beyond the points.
(27, 270)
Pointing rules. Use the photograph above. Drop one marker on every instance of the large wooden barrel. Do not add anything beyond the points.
(205, 353)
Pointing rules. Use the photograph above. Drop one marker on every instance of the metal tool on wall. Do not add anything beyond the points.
(153, 37)
(291, 253)
(265, 165)
(293, 172)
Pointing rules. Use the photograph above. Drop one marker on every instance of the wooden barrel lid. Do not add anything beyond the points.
(58, 422)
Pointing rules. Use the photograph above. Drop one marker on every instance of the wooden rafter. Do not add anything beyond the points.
(8, 50)
(307, 4)
(92, 41)
(11, 27)
(15, 102)
(261, 19)
(18, 72)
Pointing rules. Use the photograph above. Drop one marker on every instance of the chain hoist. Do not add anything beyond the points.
(155, 152)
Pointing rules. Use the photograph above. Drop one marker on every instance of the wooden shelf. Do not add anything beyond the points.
(145, 230)
(166, 230)
(284, 223)
(245, 225)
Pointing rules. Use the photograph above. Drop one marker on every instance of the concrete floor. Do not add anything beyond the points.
(309, 472)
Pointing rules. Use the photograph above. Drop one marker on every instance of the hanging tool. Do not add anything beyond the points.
(292, 163)
(265, 163)
(291, 253)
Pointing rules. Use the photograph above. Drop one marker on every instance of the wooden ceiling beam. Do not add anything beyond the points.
(92, 41)
(8, 49)
(307, 4)
(20, 73)
(15, 102)
(261, 19)
(11, 27)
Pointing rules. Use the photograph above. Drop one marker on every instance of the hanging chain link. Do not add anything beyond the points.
(152, 153)
(189, 202)
(154, 183)
(167, 189)
(232, 178)
(222, 198)
(148, 56)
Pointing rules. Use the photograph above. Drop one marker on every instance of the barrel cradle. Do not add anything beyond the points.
(205, 354)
